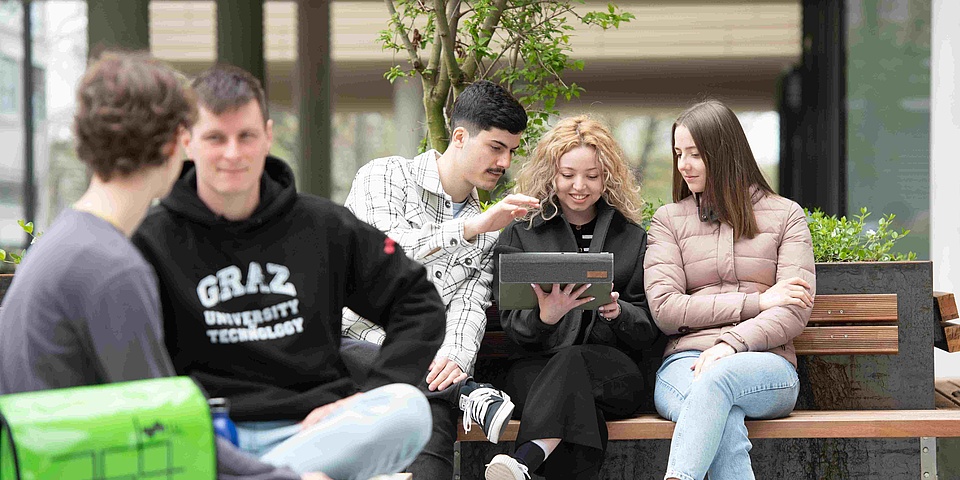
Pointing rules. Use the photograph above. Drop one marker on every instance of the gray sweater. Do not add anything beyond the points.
(84, 309)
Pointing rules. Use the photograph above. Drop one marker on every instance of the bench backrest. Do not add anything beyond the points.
(851, 324)
(839, 325)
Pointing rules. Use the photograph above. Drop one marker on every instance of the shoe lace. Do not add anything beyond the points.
(476, 406)
(521, 467)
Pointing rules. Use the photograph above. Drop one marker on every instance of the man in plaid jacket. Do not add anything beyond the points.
(429, 206)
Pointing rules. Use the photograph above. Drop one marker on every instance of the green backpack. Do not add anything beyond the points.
(147, 429)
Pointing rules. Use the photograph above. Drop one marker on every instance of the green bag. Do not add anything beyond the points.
(147, 429)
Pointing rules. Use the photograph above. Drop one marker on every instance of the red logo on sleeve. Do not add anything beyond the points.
(389, 246)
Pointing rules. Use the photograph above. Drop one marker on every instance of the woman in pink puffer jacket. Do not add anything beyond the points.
(729, 274)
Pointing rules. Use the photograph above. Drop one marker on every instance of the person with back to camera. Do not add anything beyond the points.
(577, 368)
(84, 307)
(730, 278)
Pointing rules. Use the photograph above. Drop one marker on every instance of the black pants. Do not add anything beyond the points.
(435, 462)
(570, 395)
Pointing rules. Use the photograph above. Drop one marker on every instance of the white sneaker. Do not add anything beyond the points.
(505, 467)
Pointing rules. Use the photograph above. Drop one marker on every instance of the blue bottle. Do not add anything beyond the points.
(222, 425)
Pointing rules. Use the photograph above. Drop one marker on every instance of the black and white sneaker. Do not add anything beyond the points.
(488, 407)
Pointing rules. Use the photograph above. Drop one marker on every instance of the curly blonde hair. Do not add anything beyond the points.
(537, 176)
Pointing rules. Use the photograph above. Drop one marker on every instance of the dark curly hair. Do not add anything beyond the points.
(484, 105)
(129, 106)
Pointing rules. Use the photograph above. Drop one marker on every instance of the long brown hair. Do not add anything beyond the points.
(730, 166)
(537, 175)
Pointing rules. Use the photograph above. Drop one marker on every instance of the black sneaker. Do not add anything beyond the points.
(488, 407)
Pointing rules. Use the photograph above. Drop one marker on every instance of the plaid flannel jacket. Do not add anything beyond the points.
(404, 199)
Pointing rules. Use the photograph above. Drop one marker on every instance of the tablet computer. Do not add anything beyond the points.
(518, 270)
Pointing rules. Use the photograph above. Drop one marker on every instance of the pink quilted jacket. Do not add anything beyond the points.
(704, 288)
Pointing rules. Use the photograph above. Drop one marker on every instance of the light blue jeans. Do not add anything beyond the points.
(710, 436)
(379, 433)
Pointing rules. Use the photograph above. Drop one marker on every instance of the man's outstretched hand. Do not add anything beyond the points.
(443, 373)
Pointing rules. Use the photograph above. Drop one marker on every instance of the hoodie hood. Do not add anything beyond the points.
(277, 193)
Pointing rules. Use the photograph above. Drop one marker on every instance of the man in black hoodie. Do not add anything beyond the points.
(253, 278)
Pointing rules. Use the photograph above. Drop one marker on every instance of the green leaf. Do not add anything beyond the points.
(28, 228)
(3, 255)
(842, 239)
(16, 258)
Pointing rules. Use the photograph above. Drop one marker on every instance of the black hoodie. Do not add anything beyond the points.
(252, 308)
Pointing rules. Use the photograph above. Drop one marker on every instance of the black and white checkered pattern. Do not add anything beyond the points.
(404, 199)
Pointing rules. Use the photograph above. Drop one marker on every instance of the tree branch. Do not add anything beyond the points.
(489, 25)
(512, 45)
(449, 41)
(434, 62)
(455, 17)
(402, 31)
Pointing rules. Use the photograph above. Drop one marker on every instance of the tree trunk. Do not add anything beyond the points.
(433, 102)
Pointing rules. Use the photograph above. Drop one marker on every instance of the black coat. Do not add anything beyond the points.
(633, 331)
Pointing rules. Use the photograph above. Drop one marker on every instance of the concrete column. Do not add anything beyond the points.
(408, 116)
(240, 35)
(313, 96)
(944, 132)
(26, 79)
(123, 24)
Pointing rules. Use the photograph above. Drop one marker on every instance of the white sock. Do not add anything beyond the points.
(547, 450)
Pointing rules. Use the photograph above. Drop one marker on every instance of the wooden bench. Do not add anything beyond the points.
(800, 424)
(858, 324)
(839, 325)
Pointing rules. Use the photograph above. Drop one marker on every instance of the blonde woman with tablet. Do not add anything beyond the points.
(576, 368)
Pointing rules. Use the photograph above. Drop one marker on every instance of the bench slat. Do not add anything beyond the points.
(845, 340)
(947, 393)
(873, 340)
(947, 305)
(800, 424)
(495, 345)
(873, 308)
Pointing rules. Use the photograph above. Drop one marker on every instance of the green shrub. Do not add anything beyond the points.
(843, 240)
(647, 211)
(14, 258)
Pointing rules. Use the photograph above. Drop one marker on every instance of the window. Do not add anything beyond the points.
(9, 81)
(11, 193)
(39, 94)
(10, 14)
